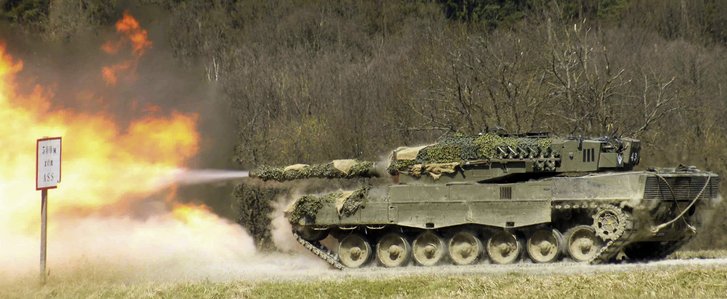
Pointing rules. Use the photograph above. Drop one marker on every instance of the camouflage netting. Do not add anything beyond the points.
(458, 148)
(335, 169)
(252, 202)
(346, 203)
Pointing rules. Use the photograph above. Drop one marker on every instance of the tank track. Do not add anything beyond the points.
(613, 247)
(321, 251)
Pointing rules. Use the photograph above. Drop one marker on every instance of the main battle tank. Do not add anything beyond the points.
(503, 199)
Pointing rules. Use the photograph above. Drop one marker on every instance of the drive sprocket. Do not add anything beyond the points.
(609, 222)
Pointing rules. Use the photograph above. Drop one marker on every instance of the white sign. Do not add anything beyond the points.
(48, 163)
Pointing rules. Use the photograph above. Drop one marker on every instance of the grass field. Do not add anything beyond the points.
(666, 282)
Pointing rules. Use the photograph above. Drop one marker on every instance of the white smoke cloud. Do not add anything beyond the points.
(281, 228)
(163, 247)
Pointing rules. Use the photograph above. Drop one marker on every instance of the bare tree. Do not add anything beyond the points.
(582, 80)
(658, 100)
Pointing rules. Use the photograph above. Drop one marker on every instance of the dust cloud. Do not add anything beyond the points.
(168, 241)
(121, 211)
(182, 244)
(280, 228)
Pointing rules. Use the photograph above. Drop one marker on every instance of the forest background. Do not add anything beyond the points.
(311, 81)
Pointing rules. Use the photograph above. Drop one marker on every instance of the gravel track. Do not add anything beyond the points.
(531, 268)
(319, 271)
(302, 267)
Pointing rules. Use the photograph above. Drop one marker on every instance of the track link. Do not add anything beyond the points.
(321, 251)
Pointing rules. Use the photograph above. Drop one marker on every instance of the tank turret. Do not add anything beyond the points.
(493, 157)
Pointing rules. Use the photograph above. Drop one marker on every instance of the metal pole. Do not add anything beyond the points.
(43, 229)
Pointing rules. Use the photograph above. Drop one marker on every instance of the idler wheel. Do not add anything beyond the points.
(393, 250)
(503, 248)
(609, 222)
(354, 251)
(464, 248)
(428, 249)
(544, 245)
(582, 243)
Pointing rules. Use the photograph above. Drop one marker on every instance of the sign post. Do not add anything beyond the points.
(43, 230)
(47, 176)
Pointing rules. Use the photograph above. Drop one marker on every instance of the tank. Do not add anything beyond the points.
(500, 199)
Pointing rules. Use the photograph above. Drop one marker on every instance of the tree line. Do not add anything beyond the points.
(308, 81)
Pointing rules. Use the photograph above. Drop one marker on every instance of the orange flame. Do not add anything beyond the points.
(107, 167)
(111, 73)
(196, 215)
(111, 47)
(130, 27)
(103, 164)
(130, 32)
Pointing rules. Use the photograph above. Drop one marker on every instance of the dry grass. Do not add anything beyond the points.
(676, 282)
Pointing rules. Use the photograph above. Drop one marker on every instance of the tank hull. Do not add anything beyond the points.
(597, 217)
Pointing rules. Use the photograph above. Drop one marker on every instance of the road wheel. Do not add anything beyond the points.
(544, 245)
(393, 250)
(582, 244)
(503, 248)
(428, 249)
(354, 251)
(464, 248)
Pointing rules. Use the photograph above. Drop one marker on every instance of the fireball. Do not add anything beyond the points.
(103, 163)
(107, 166)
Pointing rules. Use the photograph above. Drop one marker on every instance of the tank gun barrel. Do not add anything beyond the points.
(346, 169)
